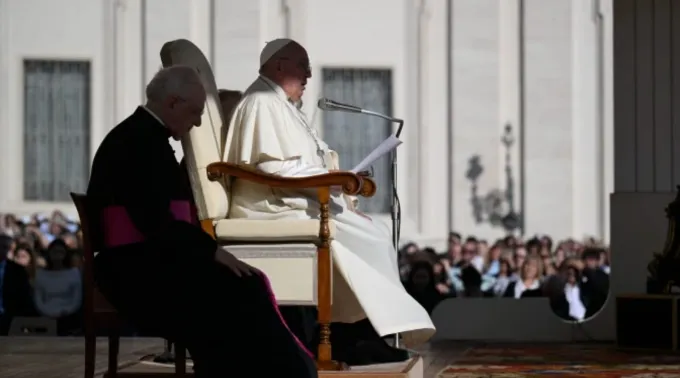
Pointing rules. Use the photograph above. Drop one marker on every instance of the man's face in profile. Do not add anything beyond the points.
(295, 70)
(185, 112)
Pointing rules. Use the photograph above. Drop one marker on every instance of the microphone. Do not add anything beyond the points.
(326, 104)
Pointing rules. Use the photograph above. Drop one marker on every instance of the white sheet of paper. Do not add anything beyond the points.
(383, 148)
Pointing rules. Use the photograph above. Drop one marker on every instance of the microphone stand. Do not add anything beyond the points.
(395, 204)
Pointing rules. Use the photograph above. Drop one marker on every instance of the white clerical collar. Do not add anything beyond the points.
(153, 114)
(277, 88)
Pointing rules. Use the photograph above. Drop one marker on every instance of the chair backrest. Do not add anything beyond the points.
(93, 301)
(202, 145)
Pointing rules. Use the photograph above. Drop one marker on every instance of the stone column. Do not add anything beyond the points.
(646, 134)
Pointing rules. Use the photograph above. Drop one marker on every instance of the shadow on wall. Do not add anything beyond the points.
(572, 275)
(496, 207)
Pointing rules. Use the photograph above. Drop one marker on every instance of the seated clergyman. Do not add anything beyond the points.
(158, 268)
(268, 131)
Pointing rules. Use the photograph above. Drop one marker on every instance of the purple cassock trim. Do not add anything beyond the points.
(119, 229)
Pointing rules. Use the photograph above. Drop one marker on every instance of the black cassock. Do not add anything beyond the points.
(158, 268)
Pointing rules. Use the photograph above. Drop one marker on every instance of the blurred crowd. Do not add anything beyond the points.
(41, 259)
(573, 275)
(40, 272)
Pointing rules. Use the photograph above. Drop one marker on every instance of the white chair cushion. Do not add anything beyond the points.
(291, 269)
(262, 231)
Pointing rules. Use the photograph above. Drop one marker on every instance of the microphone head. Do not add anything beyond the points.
(324, 104)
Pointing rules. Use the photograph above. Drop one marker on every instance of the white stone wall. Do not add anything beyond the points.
(454, 109)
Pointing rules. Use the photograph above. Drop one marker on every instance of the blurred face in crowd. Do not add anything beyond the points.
(57, 255)
(445, 263)
(548, 266)
(22, 257)
(70, 240)
(483, 248)
(411, 249)
(604, 258)
(559, 256)
(534, 250)
(56, 228)
(592, 262)
(454, 241)
(469, 251)
(545, 251)
(571, 275)
(495, 252)
(455, 252)
(421, 278)
(530, 269)
(504, 270)
(438, 268)
(520, 256)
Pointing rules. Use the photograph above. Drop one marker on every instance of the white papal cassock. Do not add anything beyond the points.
(270, 133)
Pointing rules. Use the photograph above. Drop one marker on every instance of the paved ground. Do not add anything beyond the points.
(60, 357)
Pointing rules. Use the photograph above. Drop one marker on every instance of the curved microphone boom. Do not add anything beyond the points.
(330, 105)
(326, 104)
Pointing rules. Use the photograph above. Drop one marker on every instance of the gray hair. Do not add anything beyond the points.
(171, 81)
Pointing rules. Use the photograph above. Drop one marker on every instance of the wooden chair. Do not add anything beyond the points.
(295, 254)
(97, 311)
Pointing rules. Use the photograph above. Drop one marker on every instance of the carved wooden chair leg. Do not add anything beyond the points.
(325, 361)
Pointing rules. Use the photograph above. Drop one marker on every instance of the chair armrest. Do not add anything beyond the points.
(351, 183)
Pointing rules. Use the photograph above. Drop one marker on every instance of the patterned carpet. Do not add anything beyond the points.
(561, 361)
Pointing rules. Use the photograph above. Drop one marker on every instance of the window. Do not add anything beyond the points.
(354, 136)
(56, 129)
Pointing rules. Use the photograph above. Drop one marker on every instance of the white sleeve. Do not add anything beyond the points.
(291, 168)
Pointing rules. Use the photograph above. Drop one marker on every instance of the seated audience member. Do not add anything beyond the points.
(595, 280)
(574, 294)
(6, 243)
(564, 290)
(421, 285)
(17, 298)
(58, 287)
(472, 282)
(504, 277)
(493, 260)
(529, 282)
(442, 279)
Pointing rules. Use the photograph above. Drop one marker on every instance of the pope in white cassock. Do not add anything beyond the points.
(270, 132)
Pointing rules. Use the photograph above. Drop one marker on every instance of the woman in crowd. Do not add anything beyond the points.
(26, 257)
(504, 277)
(17, 280)
(529, 282)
